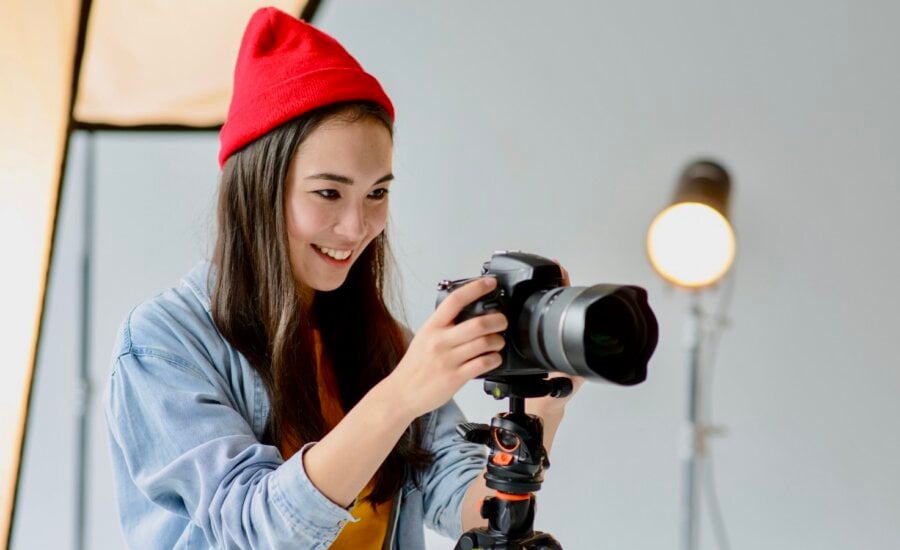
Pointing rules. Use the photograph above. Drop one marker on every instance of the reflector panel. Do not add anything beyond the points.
(163, 63)
(38, 41)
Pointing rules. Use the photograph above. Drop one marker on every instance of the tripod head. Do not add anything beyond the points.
(515, 439)
(516, 463)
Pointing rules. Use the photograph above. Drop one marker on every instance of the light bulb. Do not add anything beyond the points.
(691, 244)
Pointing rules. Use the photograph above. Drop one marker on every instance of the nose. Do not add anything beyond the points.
(352, 224)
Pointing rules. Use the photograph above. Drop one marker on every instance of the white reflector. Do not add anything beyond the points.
(39, 41)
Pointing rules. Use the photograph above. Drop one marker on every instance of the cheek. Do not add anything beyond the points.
(378, 220)
(303, 223)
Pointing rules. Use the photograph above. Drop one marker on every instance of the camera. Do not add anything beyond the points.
(602, 332)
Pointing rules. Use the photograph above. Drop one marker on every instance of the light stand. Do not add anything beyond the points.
(691, 245)
(694, 430)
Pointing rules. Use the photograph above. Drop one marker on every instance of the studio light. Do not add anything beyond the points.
(691, 243)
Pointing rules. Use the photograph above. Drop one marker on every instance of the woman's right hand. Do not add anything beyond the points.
(443, 356)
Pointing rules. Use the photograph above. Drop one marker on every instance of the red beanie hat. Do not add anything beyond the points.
(285, 68)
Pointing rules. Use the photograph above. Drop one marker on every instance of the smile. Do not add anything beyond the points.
(339, 255)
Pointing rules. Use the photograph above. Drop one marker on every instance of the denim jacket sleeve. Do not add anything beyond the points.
(185, 446)
(457, 463)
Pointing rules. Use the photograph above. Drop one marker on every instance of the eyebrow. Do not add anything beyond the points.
(344, 179)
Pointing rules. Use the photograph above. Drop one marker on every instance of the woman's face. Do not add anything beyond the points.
(336, 199)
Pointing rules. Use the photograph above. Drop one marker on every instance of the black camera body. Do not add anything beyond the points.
(604, 331)
(519, 275)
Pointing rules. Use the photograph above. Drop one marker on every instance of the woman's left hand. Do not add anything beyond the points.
(554, 407)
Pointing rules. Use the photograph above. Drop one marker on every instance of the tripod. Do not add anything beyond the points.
(515, 467)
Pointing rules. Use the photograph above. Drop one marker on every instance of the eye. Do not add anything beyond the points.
(379, 194)
(329, 194)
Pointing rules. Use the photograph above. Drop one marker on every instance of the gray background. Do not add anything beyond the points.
(559, 128)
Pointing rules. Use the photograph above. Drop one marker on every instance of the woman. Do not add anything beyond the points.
(272, 400)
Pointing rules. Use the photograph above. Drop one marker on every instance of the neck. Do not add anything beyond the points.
(307, 296)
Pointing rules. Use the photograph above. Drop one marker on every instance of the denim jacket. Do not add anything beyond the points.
(186, 413)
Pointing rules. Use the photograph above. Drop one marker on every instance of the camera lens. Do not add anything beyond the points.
(620, 334)
(602, 331)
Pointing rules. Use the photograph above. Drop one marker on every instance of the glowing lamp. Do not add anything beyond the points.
(691, 243)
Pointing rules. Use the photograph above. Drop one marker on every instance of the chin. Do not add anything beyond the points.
(330, 286)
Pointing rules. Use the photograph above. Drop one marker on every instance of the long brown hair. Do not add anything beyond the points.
(256, 304)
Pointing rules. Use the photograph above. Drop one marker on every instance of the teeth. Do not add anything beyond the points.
(336, 254)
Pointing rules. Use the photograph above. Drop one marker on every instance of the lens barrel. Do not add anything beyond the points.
(600, 331)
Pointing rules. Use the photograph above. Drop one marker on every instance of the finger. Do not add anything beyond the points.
(447, 311)
(565, 273)
(476, 327)
(480, 365)
(473, 348)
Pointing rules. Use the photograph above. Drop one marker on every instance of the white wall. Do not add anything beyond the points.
(559, 128)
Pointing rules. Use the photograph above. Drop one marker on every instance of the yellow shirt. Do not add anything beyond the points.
(368, 533)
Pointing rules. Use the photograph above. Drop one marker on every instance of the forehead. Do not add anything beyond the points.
(363, 144)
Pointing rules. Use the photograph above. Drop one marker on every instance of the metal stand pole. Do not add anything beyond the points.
(694, 447)
(84, 391)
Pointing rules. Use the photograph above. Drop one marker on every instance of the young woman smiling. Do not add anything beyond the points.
(272, 400)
